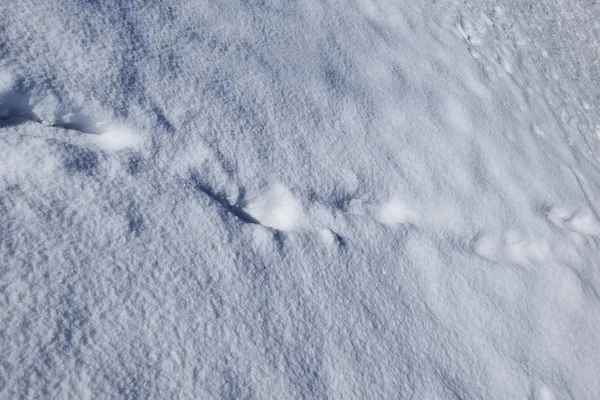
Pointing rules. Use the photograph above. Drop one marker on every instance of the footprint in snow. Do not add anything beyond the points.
(394, 212)
(277, 208)
(583, 221)
(16, 108)
(512, 247)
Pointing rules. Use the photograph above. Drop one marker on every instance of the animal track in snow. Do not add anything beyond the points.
(107, 137)
(221, 199)
(331, 238)
(513, 247)
(116, 137)
(583, 222)
(278, 208)
(394, 212)
(16, 109)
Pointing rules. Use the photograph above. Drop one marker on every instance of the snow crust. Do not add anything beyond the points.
(344, 199)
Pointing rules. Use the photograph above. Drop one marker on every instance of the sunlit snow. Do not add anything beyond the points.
(365, 199)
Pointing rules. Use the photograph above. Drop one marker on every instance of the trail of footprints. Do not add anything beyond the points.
(279, 209)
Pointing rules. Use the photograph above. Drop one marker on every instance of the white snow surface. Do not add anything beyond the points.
(368, 199)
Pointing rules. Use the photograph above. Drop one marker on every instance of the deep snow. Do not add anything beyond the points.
(343, 199)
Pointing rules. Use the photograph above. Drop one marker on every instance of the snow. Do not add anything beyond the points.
(115, 137)
(371, 199)
(277, 209)
(394, 212)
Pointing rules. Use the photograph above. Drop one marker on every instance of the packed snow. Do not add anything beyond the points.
(364, 199)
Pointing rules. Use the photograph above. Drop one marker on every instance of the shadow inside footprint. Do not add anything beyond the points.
(15, 109)
(221, 199)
